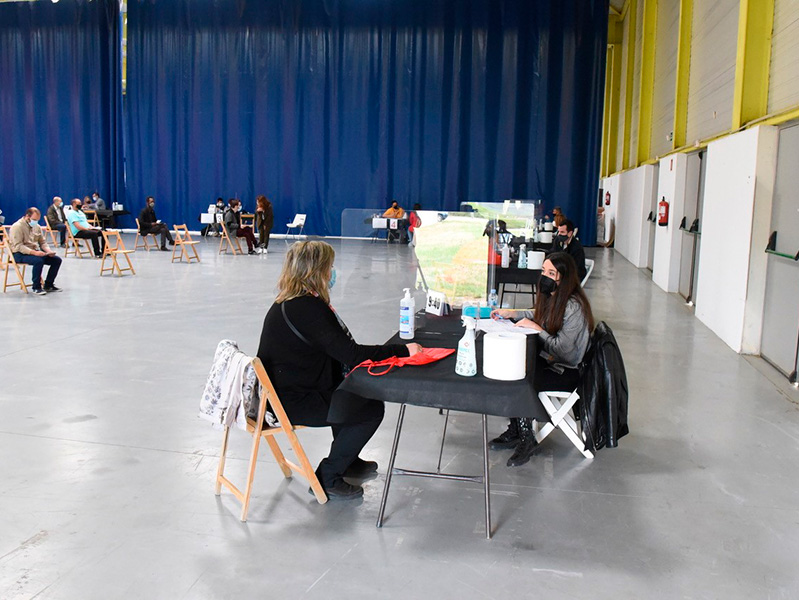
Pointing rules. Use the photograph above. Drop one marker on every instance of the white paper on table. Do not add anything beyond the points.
(490, 326)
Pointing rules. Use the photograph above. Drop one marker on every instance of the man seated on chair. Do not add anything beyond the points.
(395, 211)
(57, 219)
(566, 242)
(149, 223)
(233, 224)
(80, 228)
(29, 247)
(564, 321)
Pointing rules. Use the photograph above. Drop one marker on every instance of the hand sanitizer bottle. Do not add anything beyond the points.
(466, 363)
(407, 323)
(523, 256)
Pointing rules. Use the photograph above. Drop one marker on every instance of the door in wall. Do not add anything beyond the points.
(690, 230)
(651, 222)
(780, 342)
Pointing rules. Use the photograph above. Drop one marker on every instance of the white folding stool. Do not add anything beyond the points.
(559, 407)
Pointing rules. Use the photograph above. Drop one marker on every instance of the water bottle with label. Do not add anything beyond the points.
(493, 299)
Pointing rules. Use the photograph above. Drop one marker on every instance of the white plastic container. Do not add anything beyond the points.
(535, 260)
(466, 363)
(407, 324)
(545, 237)
(505, 256)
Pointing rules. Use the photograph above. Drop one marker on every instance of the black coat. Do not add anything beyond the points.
(603, 391)
(147, 220)
(306, 375)
(576, 251)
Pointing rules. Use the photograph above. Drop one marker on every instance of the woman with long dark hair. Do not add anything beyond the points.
(264, 220)
(564, 321)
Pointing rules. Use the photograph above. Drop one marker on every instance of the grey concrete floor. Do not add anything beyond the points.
(108, 474)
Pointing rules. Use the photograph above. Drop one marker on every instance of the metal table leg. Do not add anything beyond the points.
(390, 470)
(443, 437)
(486, 485)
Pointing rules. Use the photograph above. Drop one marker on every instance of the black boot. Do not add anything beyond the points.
(509, 439)
(527, 445)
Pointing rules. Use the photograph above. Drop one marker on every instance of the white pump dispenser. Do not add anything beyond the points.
(407, 323)
(466, 363)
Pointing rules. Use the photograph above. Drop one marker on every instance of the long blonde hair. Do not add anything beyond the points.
(306, 271)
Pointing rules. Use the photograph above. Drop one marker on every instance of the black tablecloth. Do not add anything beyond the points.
(438, 386)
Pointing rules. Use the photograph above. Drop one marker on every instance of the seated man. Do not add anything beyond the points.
(566, 242)
(57, 219)
(394, 211)
(97, 203)
(149, 223)
(29, 247)
(234, 227)
(80, 228)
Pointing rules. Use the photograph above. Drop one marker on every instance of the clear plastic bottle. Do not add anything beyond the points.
(493, 299)
(523, 256)
(407, 323)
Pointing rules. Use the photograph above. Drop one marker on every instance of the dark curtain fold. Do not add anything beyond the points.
(60, 103)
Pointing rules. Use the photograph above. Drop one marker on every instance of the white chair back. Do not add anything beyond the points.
(589, 267)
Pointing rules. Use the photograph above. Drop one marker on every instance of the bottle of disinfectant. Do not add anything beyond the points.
(407, 316)
(466, 363)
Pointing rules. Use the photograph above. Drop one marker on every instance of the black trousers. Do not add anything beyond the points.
(349, 437)
(263, 236)
(161, 228)
(547, 380)
(96, 236)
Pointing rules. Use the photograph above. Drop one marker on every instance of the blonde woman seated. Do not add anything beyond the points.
(303, 347)
(564, 322)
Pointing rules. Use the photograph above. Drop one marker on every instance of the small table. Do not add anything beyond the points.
(516, 276)
(438, 386)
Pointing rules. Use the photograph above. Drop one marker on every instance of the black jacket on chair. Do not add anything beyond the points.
(603, 391)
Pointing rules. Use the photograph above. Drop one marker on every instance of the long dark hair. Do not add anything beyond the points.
(549, 309)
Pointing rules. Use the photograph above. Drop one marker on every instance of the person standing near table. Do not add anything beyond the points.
(26, 241)
(303, 347)
(79, 225)
(564, 321)
(57, 220)
(149, 223)
(264, 220)
(234, 227)
(566, 242)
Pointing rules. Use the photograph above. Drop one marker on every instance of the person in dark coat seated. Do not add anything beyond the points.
(303, 348)
(149, 223)
(566, 242)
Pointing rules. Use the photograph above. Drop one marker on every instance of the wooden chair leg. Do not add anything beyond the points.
(278, 454)
(256, 442)
(307, 468)
(220, 470)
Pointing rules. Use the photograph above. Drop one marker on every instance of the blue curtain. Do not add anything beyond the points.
(60, 103)
(327, 104)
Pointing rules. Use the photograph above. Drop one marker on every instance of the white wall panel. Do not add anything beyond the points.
(739, 189)
(714, 36)
(783, 85)
(665, 76)
(634, 199)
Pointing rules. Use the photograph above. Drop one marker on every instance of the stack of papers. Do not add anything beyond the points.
(490, 326)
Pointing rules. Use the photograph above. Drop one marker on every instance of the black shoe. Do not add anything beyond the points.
(524, 450)
(361, 469)
(51, 288)
(252, 252)
(341, 490)
(508, 439)
(39, 293)
(164, 249)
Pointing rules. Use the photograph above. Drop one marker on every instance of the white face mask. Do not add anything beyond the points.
(33, 223)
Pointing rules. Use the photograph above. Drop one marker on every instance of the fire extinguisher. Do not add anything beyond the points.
(607, 198)
(663, 212)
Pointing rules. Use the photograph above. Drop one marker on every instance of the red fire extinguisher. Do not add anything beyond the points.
(607, 198)
(663, 212)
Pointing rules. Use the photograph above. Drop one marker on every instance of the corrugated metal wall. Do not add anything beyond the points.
(665, 80)
(636, 80)
(714, 37)
(622, 93)
(783, 86)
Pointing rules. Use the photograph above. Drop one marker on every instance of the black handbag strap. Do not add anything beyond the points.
(291, 325)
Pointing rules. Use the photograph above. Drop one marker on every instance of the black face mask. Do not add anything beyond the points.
(547, 285)
(562, 239)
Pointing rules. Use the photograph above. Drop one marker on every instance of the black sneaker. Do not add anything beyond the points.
(361, 469)
(341, 490)
(524, 450)
(51, 288)
(39, 293)
(252, 252)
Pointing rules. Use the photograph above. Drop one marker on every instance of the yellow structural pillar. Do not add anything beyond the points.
(683, 74)
(755, 23)
(612, 97)
(647, 79)
(631, 9)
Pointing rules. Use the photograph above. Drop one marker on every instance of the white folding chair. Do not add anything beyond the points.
(589, 266)
(559, 406)
(297, 223)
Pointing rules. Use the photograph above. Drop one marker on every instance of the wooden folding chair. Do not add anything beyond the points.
(248, 220)
(91, 215)
(2, 247)
(185, 243)
(49, 231)
(559, 406)
(74, 244)
(226, 241)
(144, 243)
(115, 247)
(7, 258)
(258, 430)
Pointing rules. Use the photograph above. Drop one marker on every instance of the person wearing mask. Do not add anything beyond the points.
(303, 347)
(80, 228)
(57, 219)
(394, 211)
(97, 203)
(565, 241)
(26, 242)
(264, 220)
(149, 223)
(563, 319)
(233, 224)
